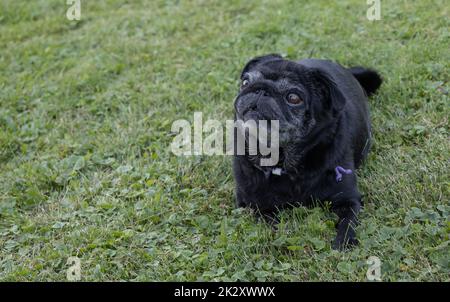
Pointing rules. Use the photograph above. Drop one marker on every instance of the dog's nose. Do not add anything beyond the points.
(254, 105)
(252, 102)
(261, 92)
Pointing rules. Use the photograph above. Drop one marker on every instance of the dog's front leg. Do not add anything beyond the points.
(347, 212)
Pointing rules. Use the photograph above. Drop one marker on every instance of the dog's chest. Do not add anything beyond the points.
(277, 189)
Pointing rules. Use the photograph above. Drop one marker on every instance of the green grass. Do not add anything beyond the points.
(85, 165)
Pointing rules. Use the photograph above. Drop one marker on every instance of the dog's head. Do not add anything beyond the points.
(304, 100)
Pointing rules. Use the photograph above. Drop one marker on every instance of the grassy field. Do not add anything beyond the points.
(86, 170)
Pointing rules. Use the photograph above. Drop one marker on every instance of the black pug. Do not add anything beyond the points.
(324, 131)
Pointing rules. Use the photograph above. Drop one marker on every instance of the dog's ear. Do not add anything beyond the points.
(258, 60)
(336, 99)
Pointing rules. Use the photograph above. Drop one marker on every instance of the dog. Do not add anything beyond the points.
(324, 136)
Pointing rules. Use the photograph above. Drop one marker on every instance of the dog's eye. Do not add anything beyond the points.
(245, 83)
(294, 99)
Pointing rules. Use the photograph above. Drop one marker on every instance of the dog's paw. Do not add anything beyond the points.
(342, 243)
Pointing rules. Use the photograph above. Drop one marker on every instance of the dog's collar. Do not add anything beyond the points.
(338, 170)
(278, 171)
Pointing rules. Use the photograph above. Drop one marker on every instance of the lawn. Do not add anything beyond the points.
(86, 169)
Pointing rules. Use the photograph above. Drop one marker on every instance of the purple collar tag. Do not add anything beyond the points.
(339, 170)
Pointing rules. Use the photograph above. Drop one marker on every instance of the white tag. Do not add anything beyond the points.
(276, 171)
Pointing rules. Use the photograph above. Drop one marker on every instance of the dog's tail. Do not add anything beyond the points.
(369, 79)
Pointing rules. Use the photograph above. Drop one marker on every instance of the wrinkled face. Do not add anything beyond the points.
(299, 98)
(277, 89)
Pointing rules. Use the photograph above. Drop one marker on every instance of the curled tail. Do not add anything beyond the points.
(369, 79)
